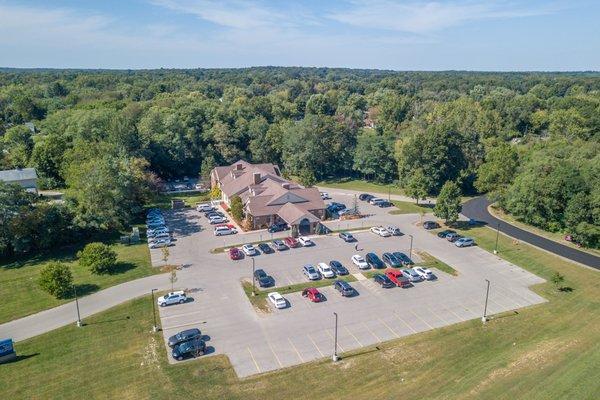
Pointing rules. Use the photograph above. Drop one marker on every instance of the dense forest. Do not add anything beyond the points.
(107, 138)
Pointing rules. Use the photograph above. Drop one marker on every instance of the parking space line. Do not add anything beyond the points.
(444, 320)
(404, 322)
(352, 334)
(422, 320)
(275, 354)
(387, 326)
(371, 332)
(295, 349)
(164, 328)
(332, 338)
(314, 344)
(253, 359)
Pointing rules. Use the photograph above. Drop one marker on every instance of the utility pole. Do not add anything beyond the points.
(335, 355)
(390, 194)
(154, 327)
(497, 234)
(487, 293)
(411, 243)
(79, 324)
(253, 279)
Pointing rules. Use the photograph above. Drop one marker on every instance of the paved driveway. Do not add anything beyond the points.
(258, 342)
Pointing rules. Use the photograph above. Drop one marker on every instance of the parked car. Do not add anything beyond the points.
(345, 211)
(425, 273)
(430, 225)
(375, 201)
(412, 275)
(346, 237)
(325, 196)
(157, 225)
(265, 248)
(383, 281)
(365, 197)
(344, 288)
(192, 348)
(291, 242)
(217, 219)
(325, 270)
(374, 261)
(279, 245)
(206, 207)
(338, 268)
(160, 237)
(263, 279)
(444, 233)
(214, 213)
(235, 253)
(391, 260)
(184, 336)
(157, 232)
(160, 243)
(177, 297)
(452, 237)
(153, 211)
(224, 230)
(394, 230)
(311, 272)
(464, 242)
(398, 278)
(277, 228)
(384, 204)
(381, 231)
(403, 258)
(359, 261)
(313, 295)
(338, 206)
(249, 250)
(278, 300)
(155, 220)
(306, 242)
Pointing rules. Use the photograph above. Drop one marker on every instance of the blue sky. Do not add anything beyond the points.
(555, 35)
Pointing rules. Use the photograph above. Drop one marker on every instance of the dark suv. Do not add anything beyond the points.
(192, 348)
(365, 197)
(374, 261)
(338, 268)
(263, 279)
(277, 228)
(184, 336)
(392, 260)
(344, 288)
(383, 280)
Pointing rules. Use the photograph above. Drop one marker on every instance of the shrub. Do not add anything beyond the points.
(98, 257)
(56, 279)
(237, 209)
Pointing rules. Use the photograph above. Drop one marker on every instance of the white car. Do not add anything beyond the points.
(159, 243)
(224, 230)
(178, 297)
(359, 261)
(325, 270)
(325, 196)
(249, 250)
(159, 236)
(204, 207)
(278, 300)
(381, 231)
(425, 273)
(306, 242)
(217, 219)
(376, 200)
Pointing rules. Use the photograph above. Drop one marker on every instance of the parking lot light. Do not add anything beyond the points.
(154, 327)
(497, 234)
(79, 324)
(335, 355)
(487, 293)
(411, 243)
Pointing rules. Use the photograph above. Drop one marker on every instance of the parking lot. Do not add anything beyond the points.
(256, 342)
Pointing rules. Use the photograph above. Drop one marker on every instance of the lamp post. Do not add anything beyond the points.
(77, 306)
(335, 355)
(497, 234)
(487, 293)
(253, 279)
(154, 327)
(411, 243)
(390, 194)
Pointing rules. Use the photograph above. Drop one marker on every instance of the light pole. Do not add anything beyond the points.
(497, 234)
(154, 327)
(77, 305)
(253, 279)
(390, 194)
(487, 293)
(410, 251)
(335, 355)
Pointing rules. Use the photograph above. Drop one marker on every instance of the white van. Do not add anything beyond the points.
(224, 230)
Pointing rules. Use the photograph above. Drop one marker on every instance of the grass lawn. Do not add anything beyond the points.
(362, 186)
(548, 351)
(405, 207)
(430, 261)
(164, 200)
(22, 296)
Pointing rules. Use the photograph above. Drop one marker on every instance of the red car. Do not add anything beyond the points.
(397, 277)
(291, 242)
(235, 253)
(312, 294)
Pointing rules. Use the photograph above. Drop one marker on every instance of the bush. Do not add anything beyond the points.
(237, 209)
(98, 257)
(56, 279)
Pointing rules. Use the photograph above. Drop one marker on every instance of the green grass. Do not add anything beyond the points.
(164, 200)
(548, 351)
(405, 207)
(429, 261)
(362, 186)
(22, 296)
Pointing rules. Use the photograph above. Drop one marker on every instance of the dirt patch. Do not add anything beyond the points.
(150, 354)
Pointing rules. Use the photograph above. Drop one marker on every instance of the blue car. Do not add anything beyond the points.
(338, 268)
(193, 348)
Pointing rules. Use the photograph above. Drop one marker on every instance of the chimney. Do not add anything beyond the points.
(286, 185)
(239, 167)
(256, 178)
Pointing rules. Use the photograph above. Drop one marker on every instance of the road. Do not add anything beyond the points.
(477, 209)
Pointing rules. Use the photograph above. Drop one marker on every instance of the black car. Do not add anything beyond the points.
(344, 288)
(184, 336)
(263, 279)
(392, 260)
(404, 259)
(265, 248)
(374, 261)
(280, 245)
(430, 225)
(347, 237)
(365, 197)
(214, 214)
(383, 280)
(338, 268)
(444, 233)
(384, 204)
(192, 348)
(278, 228)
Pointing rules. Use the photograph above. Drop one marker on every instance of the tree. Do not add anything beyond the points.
(98, 257)
(18, 142)
(448, 202)
(417, 186)
(499, 168)
(56, 279)
(307, 177)
(237, 208)
(215, 193)
(578, 210)
(165, 254)
(173, 278)
(558, 279)
(374, 157)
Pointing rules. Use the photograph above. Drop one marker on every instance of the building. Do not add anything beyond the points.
(24, 177)
(269, 198)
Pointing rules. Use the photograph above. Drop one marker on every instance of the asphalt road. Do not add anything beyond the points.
(477, 209)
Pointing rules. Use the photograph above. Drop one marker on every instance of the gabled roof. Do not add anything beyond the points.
(293, 214)
(19, 174)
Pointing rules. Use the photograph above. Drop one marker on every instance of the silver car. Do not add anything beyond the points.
(311, 272)
(412, 275)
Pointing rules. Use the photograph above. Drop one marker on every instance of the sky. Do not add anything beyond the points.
(485, 35)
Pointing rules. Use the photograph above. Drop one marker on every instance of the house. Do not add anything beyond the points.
(269, 198)
(24, 177)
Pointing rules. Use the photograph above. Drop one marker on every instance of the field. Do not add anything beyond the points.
(22, 296)
(549, 351)
(362, 186)
(405, 207)
(190, 199)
